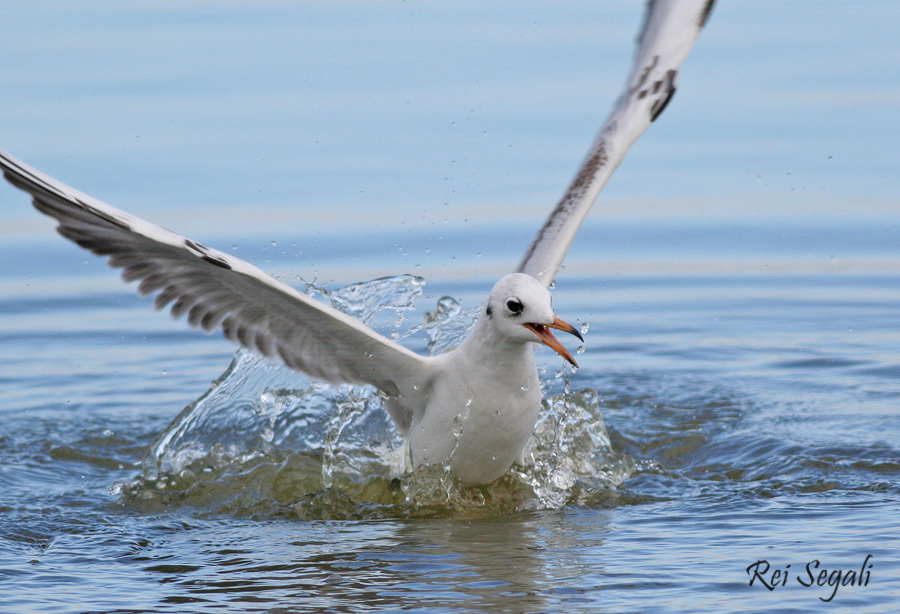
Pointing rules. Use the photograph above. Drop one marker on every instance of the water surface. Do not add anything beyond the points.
(739, 280)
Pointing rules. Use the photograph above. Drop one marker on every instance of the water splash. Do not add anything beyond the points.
(261, 407)
(571, 452)
(265, 439)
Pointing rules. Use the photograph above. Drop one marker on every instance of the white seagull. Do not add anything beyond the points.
(475, 406)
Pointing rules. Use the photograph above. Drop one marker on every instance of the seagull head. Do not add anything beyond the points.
(519, 308)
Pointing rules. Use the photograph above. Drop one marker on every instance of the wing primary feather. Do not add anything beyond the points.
(670, 29)
(214, 289)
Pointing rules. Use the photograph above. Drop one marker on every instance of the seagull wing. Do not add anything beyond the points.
(216, 290)
(670, 29)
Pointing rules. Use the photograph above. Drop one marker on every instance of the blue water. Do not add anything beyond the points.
(740, 278)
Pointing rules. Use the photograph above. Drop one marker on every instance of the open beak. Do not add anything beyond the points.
(543, 331)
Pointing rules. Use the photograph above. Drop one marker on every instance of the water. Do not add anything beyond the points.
(738, 391)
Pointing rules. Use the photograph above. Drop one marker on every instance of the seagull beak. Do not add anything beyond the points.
(543, 331)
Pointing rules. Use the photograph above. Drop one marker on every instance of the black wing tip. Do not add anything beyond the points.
(661, 105)
(668, 93)
(704, 15)
(23, 177)
(206, 254)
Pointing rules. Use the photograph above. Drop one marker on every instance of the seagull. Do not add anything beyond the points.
(473, 407)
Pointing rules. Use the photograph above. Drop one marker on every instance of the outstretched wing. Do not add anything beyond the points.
(216, 290)
(670, 29)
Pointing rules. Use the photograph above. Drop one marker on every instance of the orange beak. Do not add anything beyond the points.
(547, 338)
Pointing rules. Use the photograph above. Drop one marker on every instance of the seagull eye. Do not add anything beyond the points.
(514, 305)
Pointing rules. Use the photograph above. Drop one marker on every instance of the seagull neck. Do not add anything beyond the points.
(486, 346)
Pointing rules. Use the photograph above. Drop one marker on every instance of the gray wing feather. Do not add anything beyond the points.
(670, 29)
(216, 290)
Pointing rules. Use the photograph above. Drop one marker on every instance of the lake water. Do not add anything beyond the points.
(738, 400)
